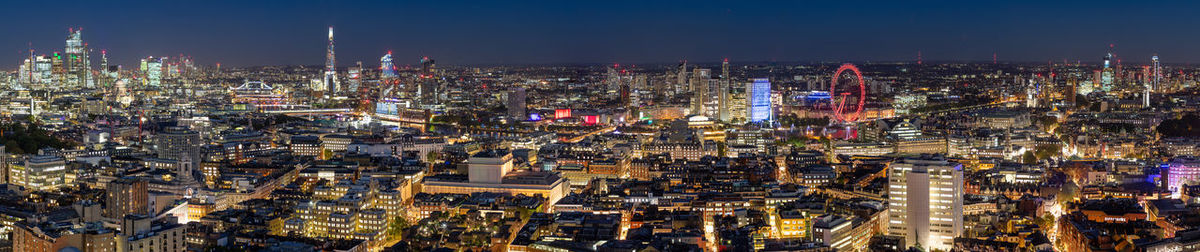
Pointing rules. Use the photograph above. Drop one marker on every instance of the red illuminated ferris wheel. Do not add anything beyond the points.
(843, 98)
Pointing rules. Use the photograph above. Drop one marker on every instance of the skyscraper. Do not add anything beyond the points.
(330, 81)
(1156, 74)
(723, 99)
(925, 202)
(516, 104)
(76, 66)
(760, 100)
(104, 81)
(681, 79)
(700, 92)
(1106, 74)
(354, 74)
(387, 70)
(152, 68)
(428, 88)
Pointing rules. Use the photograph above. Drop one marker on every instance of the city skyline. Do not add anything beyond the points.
(699, 126)
(466, 33)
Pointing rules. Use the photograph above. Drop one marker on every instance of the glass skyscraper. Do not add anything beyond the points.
(760, 100)
(386, 68)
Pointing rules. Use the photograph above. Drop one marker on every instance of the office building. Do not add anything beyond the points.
(760, 100)
(925, 199)
(126, 196)
(76, 65)
(183, 146)
(387, 70)
(40, 173)
(152, 69)
(492, 171)
(516, 104)
(1181, 171)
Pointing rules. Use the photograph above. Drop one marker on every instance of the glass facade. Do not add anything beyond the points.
(760, 100)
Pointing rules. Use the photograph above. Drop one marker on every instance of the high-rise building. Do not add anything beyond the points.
(104, 80)
(925, 202)
(152, 68)
(612, 78)
(330, 81)
(516, 104)
(428, 88)
(126, 196)
(1106, 74)
(700, 92)
(3, 165)
(182, 145)
(354, 74)
(759, 104)
(723, 96)
(681, 79)
(387, 70)
(76, 65)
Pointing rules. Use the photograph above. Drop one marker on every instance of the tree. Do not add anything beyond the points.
(326, 154)
(1067, 194)
(21, 139)
(396, 227)
(1081, 101)
(1046, 151)
(1048, 122)
(1029, 158)
(1183, 127)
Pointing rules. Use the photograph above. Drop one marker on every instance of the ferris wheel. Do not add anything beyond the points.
(847, 99)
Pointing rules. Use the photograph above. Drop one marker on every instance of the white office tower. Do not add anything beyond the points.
(925, 202)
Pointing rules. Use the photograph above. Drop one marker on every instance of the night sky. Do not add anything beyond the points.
(249, 33)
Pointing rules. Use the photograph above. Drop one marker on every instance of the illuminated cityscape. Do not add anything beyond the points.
(599, 127)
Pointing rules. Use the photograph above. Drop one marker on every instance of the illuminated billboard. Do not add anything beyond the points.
(562, 113)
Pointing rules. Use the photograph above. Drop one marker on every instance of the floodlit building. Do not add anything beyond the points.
(925, 199)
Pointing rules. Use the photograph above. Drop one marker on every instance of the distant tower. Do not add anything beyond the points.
(1156, 77)
(1152, 83)
(1031, 93)
(1106, 73)
(428, 89)
(723, 112)
(681, 78)
(725, 70)
(516, 104)
(77, 68)
(330, 80)
(760, 100)
(700, 91)
(387, 70)
(354, 74)
(104, 69)
(152, 68)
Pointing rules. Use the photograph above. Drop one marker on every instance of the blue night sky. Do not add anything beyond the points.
(247, 33)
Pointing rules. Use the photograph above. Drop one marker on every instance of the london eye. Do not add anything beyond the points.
(848, 93)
